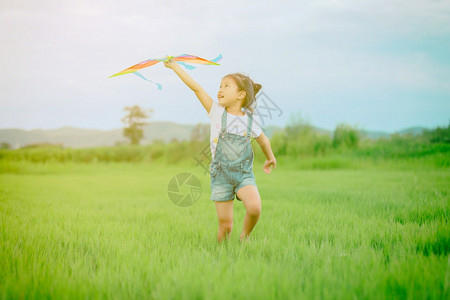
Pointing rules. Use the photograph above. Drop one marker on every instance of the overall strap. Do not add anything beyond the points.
(224, 120)
(250, 122)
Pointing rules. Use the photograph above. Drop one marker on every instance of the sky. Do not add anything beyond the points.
(378, 65)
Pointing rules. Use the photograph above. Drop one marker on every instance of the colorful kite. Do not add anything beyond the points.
(181, 59)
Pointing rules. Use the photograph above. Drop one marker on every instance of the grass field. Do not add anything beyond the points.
(72, 231)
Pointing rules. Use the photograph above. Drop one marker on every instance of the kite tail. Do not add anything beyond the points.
(189, 67)
(142, 76)
(217, 58)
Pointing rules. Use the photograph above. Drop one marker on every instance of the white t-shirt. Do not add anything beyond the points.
(235, 124)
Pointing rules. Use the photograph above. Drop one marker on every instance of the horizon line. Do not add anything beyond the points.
(193, 124)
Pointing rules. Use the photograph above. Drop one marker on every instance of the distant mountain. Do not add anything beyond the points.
(67, 136)
(413, 130)
(86, 138)
(269, 130)
(163, 131)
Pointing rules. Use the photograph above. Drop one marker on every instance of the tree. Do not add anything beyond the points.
(135, 120)
(5, 145)
(300, 135)
(438, 135)
(298, 127)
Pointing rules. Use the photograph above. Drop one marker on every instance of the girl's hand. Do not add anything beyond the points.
(170, 64)
(267, 165)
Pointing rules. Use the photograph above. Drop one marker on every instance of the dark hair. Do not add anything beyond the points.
(244, 83)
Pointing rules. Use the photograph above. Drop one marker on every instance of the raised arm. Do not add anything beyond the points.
(201, 94)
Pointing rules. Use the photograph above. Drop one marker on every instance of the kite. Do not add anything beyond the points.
(181, 59)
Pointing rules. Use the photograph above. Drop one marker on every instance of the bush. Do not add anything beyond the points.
(279, 142)
(301, 138)
(438, 135)
(5, 145)
(346, 136)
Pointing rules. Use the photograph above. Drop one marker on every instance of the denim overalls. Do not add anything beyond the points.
(232, 165)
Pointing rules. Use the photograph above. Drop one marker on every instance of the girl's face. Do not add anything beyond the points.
(228, 92)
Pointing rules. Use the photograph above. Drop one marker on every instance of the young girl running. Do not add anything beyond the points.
(231, 168)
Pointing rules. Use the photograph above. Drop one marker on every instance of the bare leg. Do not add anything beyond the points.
(225, 216)
(252, 201)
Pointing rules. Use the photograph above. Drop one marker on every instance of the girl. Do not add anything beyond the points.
(231, 168)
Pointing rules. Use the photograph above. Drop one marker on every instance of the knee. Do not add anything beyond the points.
(225, 225)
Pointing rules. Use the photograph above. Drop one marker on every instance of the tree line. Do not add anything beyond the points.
(297, 140)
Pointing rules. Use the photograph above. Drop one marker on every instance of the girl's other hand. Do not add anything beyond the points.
(170, 63)
(267, 165)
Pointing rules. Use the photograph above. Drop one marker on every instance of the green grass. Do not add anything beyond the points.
(329, 228)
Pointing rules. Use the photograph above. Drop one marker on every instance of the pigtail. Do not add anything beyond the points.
(256, 88)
